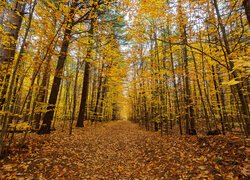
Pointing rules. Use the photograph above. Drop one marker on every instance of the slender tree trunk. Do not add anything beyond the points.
(57, 105)
(177, 104)
(93, 94)
(222, 98)
(98, 96)
(27, 109)
(74, 97)
(190, 121)
(218, 100)
(13, 101)
(46, 125)
(85, 88)
(104, 90)
(66, 103)
(200, 91)
(19, 96)
(34, 104)
(239, 86)
(41, 93)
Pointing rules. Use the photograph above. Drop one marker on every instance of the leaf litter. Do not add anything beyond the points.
(123, 150)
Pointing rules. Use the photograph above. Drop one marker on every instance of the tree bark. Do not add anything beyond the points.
(85, 88)
(246, 4)
(98, 96)
(84, 98)
(7, 52)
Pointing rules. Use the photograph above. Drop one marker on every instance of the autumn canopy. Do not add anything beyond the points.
(180, 67)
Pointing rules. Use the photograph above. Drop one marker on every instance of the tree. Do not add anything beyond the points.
(70, 23)
(8, 44)
(45, 128)
(85, 87)
(190, 121)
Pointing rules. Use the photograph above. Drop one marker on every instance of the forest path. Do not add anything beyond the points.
(115, 150)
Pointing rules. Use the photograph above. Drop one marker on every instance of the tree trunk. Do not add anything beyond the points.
(200, 91)
(85, 88)
(84, 98)
(177, 104)
(218, 101)
(246, 4)
(27, 110)
(41, 93)
(190, 121)
(97, 97)
(239, 86)
(7, 52)
(9, 95)
(104, 90)
(74, 96)
(45, 128)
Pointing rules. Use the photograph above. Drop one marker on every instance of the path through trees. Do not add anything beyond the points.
(174, 68)
(123, 150)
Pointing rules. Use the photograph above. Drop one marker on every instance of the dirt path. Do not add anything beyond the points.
(121, 150)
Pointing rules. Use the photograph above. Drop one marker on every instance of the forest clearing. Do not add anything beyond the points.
(124, 89)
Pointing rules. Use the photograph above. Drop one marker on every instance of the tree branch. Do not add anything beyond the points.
(197, 49)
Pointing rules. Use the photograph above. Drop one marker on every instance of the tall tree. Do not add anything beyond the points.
(8, 50)
(45, 128)
(190, 121)
(85, 88)
(76, 6)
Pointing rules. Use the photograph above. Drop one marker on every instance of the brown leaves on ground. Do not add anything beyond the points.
(122, 150)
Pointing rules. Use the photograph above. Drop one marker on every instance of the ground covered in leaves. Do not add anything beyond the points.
(123, 150)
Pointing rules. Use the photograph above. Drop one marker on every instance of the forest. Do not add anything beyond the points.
(124, 89)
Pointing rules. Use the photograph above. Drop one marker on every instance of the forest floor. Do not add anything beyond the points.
(123, 150)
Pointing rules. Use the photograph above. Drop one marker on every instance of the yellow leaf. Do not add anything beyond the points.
(242, 147)
(232, 82)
